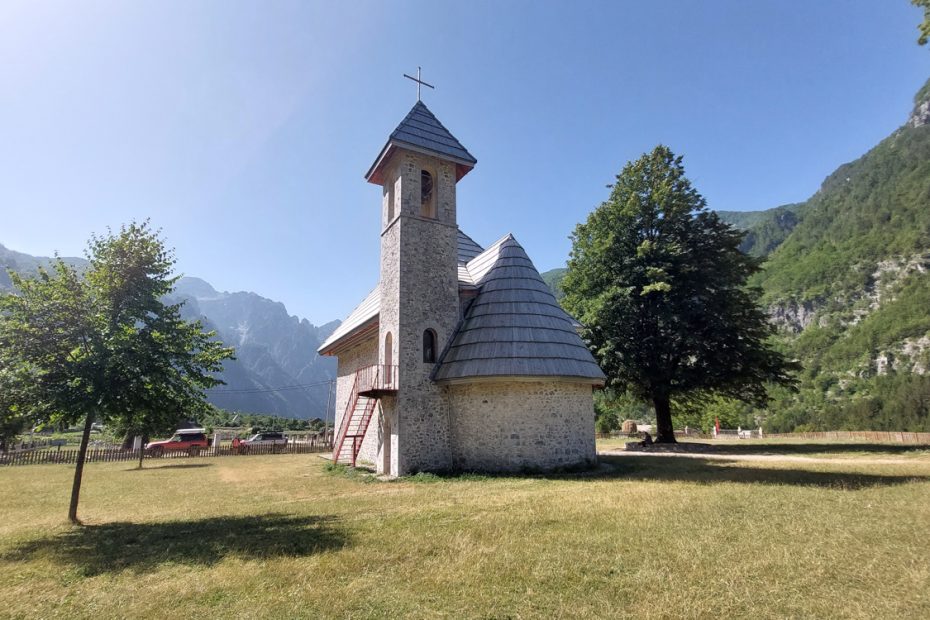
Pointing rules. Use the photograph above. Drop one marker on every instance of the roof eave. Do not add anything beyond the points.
(374, 174)
(593, 381)
(349, 339)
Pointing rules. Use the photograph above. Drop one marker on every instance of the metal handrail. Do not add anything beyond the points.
(377, 377)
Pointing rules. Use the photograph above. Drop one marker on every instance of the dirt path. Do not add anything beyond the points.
(790, 458)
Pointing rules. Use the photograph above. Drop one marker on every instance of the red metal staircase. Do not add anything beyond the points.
(371, 383)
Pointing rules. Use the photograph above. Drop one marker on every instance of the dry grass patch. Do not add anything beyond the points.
(279, 536)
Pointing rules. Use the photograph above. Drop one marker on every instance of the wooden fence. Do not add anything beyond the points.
(108, 455)
(693, 433)
(858, 436)
(874, 436)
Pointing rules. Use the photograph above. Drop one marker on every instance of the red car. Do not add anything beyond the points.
(190, 440)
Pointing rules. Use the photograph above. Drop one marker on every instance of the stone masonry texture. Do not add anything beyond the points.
(522, 425)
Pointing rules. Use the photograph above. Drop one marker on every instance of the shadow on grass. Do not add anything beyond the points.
(711, 471)
(172, 466)
(143, 547)
(696, 470)
(815, 448)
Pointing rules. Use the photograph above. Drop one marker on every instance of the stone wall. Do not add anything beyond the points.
(521, 425)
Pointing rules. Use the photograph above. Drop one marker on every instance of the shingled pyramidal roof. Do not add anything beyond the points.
(514, 327)
(421, 131)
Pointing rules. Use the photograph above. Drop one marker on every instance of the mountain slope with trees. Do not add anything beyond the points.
(765, 230)
(850, 290)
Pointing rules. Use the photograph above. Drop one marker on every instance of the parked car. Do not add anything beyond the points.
(190, 440)
(265, 438)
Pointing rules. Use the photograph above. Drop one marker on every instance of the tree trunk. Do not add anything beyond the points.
(665, 433)
(79, 470)
(143, 439)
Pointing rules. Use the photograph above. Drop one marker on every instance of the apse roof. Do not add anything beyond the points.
(514, 327)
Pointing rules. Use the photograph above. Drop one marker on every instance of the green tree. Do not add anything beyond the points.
(924, 26)
(106, 346)
(12, 420)
(605, 417)
(730, 412)
(660, 285)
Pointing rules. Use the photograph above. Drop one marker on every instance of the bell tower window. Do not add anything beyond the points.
(390, 203)
(429, 347)
(388, 358)
(427, 195)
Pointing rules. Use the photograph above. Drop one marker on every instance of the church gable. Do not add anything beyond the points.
(365, 315)
(361, 323)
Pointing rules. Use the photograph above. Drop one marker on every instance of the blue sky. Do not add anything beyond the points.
(243, 129)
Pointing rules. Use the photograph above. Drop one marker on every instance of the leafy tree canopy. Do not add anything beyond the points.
(924, 26)
(105, 346)
(660, 285)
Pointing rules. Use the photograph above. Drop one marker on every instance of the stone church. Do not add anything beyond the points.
(460, 358)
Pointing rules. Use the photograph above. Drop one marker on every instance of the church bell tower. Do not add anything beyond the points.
(418, 170)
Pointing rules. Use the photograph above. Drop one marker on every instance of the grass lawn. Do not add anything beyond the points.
(643, 537)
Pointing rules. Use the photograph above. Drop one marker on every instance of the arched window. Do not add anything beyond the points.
(388, 358)
(390, 203)
(429, 347)
(427, 195)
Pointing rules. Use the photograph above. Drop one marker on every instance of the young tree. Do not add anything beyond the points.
(106, 346)
(660, 285)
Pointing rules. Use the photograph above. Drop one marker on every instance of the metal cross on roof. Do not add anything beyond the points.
(418, 81)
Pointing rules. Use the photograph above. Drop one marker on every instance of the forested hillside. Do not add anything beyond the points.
(765, 230)
(850, 291)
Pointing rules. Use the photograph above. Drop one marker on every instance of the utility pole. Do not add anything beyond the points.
(329, 399)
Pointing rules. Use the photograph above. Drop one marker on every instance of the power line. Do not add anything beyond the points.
(283, 388)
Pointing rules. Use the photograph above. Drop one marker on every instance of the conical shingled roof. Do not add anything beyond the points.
(421, 131)
(514, 327)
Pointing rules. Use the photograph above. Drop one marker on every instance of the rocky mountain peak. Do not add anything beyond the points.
(921, 114)
(195, 287)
